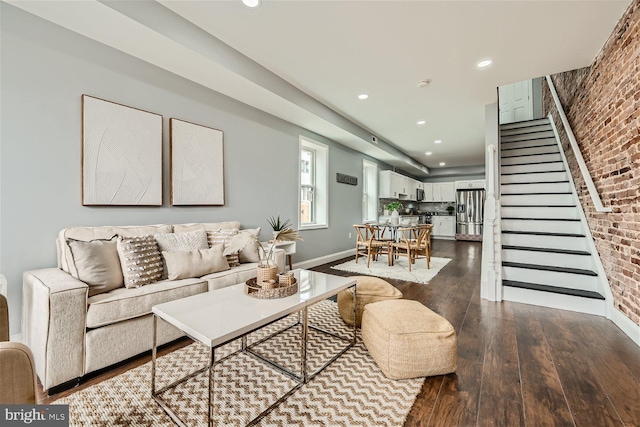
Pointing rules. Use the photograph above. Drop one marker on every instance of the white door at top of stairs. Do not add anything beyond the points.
(516, 102)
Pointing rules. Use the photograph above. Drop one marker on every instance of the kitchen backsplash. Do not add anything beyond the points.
(421, 206)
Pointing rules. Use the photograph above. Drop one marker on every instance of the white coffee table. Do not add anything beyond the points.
(218, 317)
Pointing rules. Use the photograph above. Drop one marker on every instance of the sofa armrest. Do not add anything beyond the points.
(17, 374)
(54, 311)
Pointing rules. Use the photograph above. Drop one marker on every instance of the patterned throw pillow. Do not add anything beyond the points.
(172, 242)
(217, 237)
(140, 260)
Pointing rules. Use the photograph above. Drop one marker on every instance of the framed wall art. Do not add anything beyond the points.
(197, 164)
(121, 155)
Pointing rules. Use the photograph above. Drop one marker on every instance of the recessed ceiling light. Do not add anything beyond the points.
(484, 63)
(441, 163)
(428, 153)
(421, 122)
(437, 141)
(252, 3)
(363, 96)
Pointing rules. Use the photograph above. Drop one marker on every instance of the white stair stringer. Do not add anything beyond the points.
(546, 256)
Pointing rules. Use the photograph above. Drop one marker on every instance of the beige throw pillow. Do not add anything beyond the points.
(140, 260)
(98, 264)
(189, 241)
(250, 252)
(185, 264)
(222, 236)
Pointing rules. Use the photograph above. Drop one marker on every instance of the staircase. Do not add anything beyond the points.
(546, 257)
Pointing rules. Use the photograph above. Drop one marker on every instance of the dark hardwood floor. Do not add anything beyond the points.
(517, 364)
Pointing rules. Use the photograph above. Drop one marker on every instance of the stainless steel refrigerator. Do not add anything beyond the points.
(469, 214)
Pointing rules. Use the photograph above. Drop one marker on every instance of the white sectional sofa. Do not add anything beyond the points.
(72, 333)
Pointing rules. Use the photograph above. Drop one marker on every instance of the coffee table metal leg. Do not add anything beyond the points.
(212, 362)
(154, 351)
(305, 338)
(355, 315)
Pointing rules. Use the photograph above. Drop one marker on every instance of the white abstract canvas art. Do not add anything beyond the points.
(197, 164)
(121, 155)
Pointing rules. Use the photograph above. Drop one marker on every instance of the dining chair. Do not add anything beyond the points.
(367, 243)
(413, 243)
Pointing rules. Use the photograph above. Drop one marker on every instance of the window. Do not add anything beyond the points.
(369, 191)
(313, 184)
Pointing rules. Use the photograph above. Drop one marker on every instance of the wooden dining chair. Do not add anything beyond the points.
(413, 243)
(367, 244)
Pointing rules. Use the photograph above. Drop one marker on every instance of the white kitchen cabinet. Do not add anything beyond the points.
(389, 184)
(441, 192)
(474, 184)
(428, 191)
(443, 227)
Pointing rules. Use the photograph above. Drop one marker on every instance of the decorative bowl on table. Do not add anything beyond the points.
(383, 221)
(405, 221)
(270, 290)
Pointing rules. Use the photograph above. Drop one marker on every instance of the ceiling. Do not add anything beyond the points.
(293, 59)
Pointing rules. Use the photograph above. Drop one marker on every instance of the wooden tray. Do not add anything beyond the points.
(254, 290)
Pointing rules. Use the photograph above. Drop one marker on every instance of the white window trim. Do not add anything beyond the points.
(365, 165)
(321, 184)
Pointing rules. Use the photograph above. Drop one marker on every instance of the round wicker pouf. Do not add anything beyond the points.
(369, 289)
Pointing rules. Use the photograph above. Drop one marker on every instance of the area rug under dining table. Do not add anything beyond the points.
(352, 391)
(399, 270)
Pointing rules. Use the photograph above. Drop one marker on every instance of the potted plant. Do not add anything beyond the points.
(395, 216)
(267, 270)
(277, 225)
(450, 209)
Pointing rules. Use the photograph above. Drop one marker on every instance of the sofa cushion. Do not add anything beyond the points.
(188, 241)
(185, 264)
(250, 253)
(222, 237)
(97, 264)
(65, 260)
(233, 276)
(123, 303)
(206, 226)
(140, 260)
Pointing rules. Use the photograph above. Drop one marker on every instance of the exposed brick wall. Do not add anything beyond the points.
(602, 103)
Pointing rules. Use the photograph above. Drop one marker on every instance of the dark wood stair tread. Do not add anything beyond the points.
(539, 219)
(551, 250)
(534, 182)
(553, 289)
(534, 163)
(543, 233)
(527, 155)
(552, 268)
(524, 173)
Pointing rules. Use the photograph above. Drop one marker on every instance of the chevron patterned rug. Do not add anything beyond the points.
(352, 391)
(399, 270)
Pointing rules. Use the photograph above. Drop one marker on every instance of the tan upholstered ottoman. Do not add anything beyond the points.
(407, 340)
(369, 289)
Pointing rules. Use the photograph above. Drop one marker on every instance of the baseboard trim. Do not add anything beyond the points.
(559, 301)
(625, 324)
(310, 263)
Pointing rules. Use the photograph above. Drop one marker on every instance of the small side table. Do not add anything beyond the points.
(288, 247)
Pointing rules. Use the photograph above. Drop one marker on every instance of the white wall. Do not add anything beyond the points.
(44, 71)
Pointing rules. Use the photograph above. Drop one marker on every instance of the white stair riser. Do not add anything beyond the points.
(539, 212)
(574, 227)
(554, 242)
(527, 144)
(551, 278)
(527, 123)
(543, 167)
(549, 176)
(548, 258)
(528, 137)
(537, 199)
(531, 159)
(529, 150)
(529, 129)
(552, 187)
(559, 301)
